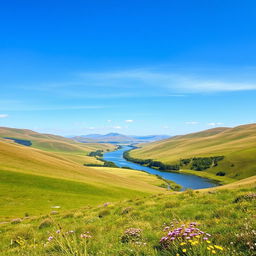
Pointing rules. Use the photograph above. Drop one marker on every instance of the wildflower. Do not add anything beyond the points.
(58, 231)
(207, 241)
(218, 247)
(213, 251)
(184, 250)
(182, 243)
(50, 238)
(133, 234)
(84, 235)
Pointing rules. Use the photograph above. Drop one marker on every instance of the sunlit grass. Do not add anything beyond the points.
(136, 227)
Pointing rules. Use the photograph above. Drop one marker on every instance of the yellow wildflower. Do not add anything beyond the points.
(218, 247)
(184, 250)
(207, 241)
(213, 251)
(182, 243)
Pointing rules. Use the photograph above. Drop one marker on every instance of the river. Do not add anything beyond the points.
(185, 180)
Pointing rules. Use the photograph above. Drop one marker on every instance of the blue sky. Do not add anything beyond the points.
(133, 67)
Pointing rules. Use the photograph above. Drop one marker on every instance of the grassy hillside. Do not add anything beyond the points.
(237, 145)
(135, 227)
(33, 181)
(65, 147)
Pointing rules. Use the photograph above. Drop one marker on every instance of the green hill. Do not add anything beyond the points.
(33, 180)
(65, 147)
(237, 145)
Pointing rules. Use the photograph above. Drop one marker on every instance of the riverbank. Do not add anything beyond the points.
(220, 180)
(185, 180)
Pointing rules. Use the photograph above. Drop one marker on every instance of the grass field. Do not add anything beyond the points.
(237, 145)
(32, 181)
(135, 226)
(53, 205)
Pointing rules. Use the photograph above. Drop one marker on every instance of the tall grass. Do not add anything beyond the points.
(138, 226)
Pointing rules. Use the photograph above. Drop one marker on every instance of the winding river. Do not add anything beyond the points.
(185, 180)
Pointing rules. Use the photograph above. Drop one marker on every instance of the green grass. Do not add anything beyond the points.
(33, 180)
(25, 193)
(237, 145)
(107, 201)
(225, 214)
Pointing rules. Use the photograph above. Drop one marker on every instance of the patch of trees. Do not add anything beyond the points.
(151, 163)
(106, 164)
(196, 163)
(97, 153)
(201, 163)
(220, 173)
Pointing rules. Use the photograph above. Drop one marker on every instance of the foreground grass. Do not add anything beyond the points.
(228, 215)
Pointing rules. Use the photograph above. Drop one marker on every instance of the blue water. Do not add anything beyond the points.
(185, 180)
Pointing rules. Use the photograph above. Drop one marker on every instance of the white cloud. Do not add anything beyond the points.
(165, 127)
(215, 124)
(109, 121)
(174, 82)
(129, 121)
(3, 115)
(117, 127)
(192, 122)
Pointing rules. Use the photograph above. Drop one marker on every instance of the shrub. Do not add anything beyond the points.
(45, 223)
(126, 210)
(131, 235)
(103, 213)
(220, 173)
(16, 221)
(246, 197)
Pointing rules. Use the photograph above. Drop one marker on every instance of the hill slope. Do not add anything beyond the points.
(237, 145)
(32, 180)
(52, 143)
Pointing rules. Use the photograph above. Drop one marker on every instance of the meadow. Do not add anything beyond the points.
(205, 222)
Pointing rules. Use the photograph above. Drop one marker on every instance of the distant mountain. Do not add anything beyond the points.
(151, 138)
(117, 138)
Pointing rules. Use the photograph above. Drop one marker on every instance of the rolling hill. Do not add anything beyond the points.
(237, 145)
(33, 180)
(62, 146)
